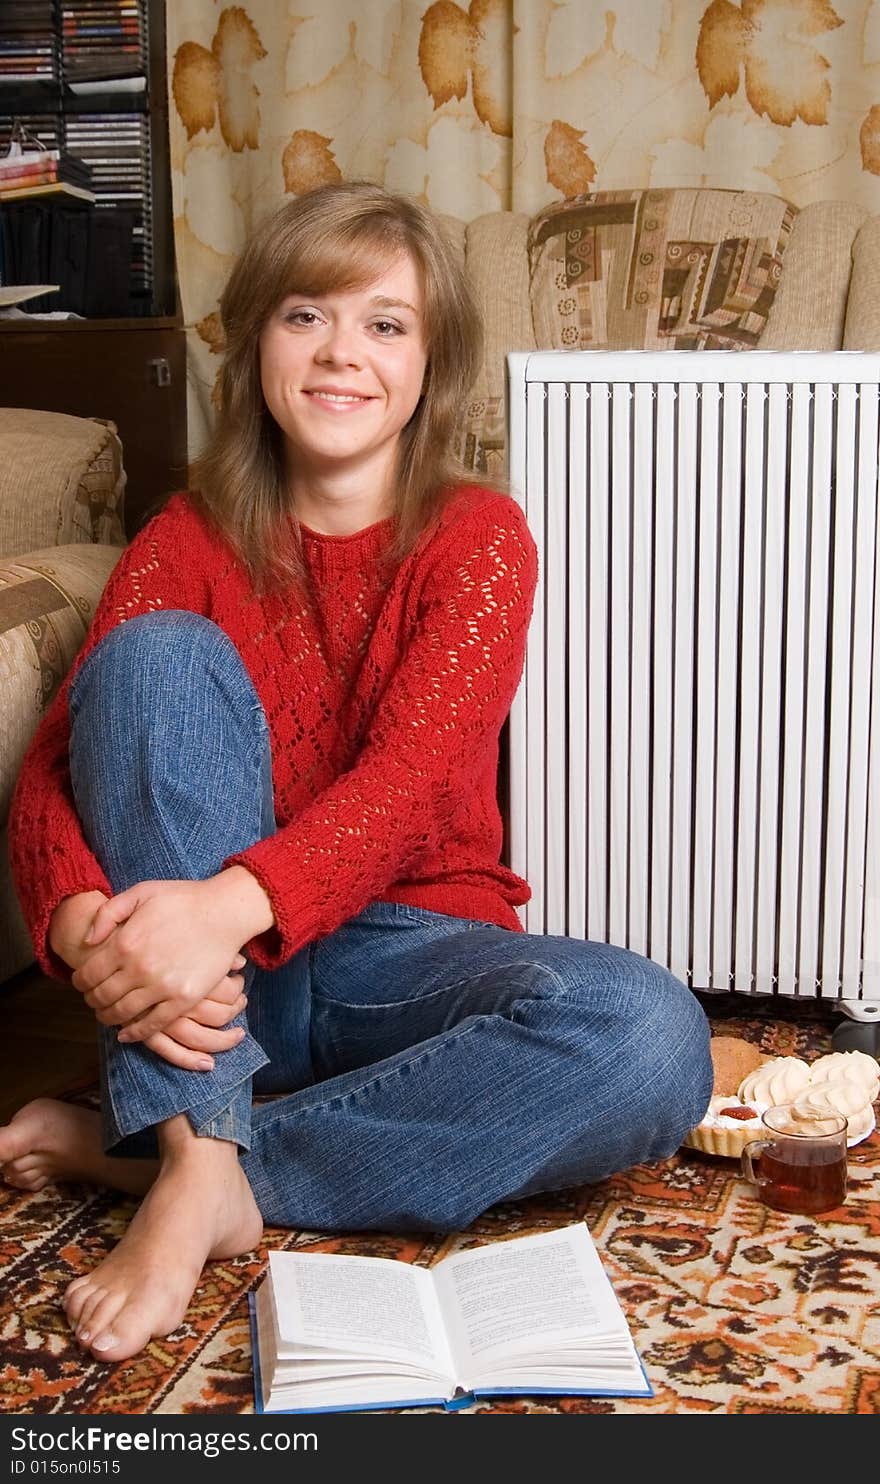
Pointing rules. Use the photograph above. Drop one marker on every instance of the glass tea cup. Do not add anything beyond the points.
(799, 1162)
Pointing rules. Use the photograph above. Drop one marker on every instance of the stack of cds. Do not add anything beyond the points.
(102, 40)
(29, 49)
(115, 147)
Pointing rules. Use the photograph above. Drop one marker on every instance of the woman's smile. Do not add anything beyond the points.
(336, 401)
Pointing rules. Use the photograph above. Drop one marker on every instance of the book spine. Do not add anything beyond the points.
(16, 163)
(26, 167)
(29, 177)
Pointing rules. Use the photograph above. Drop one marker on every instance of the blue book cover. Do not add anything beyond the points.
(531, 1304)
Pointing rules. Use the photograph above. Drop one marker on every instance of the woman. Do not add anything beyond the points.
(258, 826)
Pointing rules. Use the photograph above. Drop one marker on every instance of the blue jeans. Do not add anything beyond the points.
(424, 1066)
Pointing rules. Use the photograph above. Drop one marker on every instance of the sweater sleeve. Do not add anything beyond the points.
(448, 695)
(49, 855)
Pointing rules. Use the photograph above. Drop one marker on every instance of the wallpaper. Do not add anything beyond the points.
(503, 105)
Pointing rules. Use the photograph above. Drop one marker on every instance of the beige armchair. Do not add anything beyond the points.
(61, 496)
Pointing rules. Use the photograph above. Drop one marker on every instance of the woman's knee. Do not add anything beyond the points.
(654, 1025)
(145, 667)
(151, 647)
(673, 1064)
(160, 693)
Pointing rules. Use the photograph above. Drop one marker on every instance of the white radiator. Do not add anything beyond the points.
(695, 746)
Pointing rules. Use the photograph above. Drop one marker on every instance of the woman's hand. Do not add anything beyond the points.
(190, 1041)
(164, 946)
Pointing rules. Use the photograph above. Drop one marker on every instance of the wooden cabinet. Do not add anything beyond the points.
(132, 371)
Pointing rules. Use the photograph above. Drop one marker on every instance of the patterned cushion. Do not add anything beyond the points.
(61, 480)
(657, 269)
(47, 599)
(498, 268)
(483, 436)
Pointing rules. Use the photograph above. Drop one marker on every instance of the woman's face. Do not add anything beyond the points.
(342, 375)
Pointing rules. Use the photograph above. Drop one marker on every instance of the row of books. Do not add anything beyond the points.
(24, 169)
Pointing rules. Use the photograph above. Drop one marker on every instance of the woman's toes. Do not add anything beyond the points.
(99, 1306)
(82, 1327)
(16, 1139)
(94, 1311)
(79, 1294)
(27, 1165)
(85, 1328)
(122, 1334)
(106, 1346)
(115, 1329)
(25, 1179)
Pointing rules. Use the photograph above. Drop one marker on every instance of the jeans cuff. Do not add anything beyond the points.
(141, 1090)
(232, 1122)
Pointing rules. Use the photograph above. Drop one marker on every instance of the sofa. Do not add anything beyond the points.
(615, 270)
(664, 269)
(62, 486)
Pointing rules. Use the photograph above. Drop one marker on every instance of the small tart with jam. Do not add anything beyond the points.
(727, 1127)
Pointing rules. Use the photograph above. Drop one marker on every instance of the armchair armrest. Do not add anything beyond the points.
(61, 480)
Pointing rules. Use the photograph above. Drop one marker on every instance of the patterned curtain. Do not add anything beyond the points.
(504, 104)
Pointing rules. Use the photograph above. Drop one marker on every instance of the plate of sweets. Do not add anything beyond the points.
(746, 1083)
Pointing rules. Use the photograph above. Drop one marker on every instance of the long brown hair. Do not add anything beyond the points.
(331, 239)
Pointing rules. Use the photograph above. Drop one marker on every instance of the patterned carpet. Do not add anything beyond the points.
(734, 1308)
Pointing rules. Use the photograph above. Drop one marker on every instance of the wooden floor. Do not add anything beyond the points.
(48, 1042)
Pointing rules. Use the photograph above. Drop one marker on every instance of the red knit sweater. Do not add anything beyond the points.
(384, 700)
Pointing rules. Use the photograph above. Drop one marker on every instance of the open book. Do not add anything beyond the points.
(533, 1314)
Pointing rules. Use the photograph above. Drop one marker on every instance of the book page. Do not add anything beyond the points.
(529, 1294)
(369, 1306)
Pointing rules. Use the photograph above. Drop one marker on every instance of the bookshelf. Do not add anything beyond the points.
(56, 61)
(88, 78)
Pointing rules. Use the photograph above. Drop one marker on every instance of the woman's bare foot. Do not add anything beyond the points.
(200, 1206)
(50, 1141)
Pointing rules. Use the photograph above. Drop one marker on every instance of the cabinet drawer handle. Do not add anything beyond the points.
(160, 371)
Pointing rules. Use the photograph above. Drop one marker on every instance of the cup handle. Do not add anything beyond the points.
(750, 1151)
